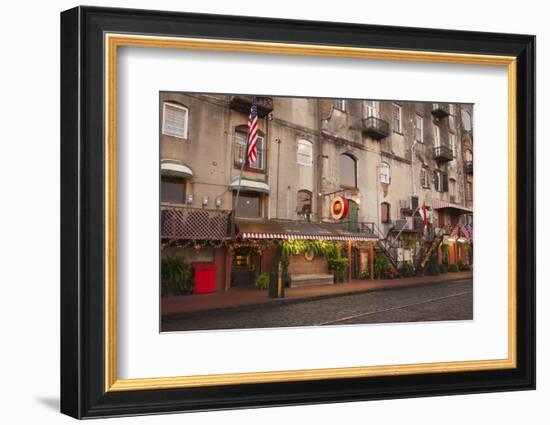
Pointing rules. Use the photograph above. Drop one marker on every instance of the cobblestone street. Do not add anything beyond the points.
(451, 300)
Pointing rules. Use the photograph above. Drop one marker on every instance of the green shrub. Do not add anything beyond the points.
(381, 264)
(433, 267)
(406, 270)
(262, 281)
(464, 267)
(453, 268)
(443, 268)
(176, 276)
(339, 267)
(364, 274)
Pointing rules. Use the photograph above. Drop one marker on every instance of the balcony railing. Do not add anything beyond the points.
(443, 154)
(376, 128)
(410, 224)
(180, 222)
(244, 103)
(440, 110)
(469, 167)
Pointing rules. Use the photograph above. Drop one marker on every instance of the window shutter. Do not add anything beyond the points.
(436, 181)
(175, 121)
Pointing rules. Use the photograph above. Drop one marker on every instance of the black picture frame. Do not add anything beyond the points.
(83, 392)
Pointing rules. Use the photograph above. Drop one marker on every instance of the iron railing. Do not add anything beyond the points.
(244, 103)
(443, 153)
(376, 127)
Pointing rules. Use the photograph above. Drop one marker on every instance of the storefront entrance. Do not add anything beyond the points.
(245, 267)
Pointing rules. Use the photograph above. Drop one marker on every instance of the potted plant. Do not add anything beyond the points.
(176, 276)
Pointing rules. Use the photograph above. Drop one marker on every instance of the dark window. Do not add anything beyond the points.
(445, 179)
(348, 171)
(172, 190)
(303, 202)
(249, 205)
(385, 212)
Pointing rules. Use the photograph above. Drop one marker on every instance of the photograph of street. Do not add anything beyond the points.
(283, 211)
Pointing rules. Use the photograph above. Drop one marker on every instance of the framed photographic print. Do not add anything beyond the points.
(261, 212)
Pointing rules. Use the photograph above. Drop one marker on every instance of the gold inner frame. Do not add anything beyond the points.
(113, 41)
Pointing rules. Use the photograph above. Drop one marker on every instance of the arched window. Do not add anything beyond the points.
(385, 213)
(348, 171)
(239, 149)
(385, 173)
(468, 156)
(304, 202)
(175, 120)
(305, 152)
(466, 120)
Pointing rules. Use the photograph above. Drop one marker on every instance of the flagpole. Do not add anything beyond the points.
(245, 156)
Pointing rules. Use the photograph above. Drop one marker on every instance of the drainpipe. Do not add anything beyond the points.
(278, 141)
(412, 167)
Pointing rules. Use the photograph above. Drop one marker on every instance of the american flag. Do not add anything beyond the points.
(252, 141)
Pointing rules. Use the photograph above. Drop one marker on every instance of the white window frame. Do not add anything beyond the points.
(370, 111)
(452, 117)
(424, 177)
(309, 145)
(241, 141)
(342, 102)
(437, 136)
(419, 118)
(452, 139)
(385, 173)
(180, 135)
(400, 119)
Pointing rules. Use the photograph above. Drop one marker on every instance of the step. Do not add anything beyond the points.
(303, 280)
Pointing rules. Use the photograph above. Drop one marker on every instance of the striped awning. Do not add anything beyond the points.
(176, 168)
(246, 183)
(438, 204)
(298, 230)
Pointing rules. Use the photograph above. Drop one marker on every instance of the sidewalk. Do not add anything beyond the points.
(243, 297)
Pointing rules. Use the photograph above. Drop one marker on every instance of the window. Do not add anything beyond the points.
(339, 104)
(452, 189)
(240, 142)
(452, 138)
(384, 173)
(249, 205)
(397, 118)
(468, 156)
(441, 181)
(304, 202)
(469, 191)
(172, 190)
(419, 128)
(370, 109)
(305, 152)
(466, 120)
(174, 121)
(424, 180)
(385, 216)
(437, 136)
(348, 171)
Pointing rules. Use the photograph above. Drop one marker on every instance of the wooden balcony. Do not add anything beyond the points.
(376, 128)
(440, 110)
(244, 103)
(443, 154)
